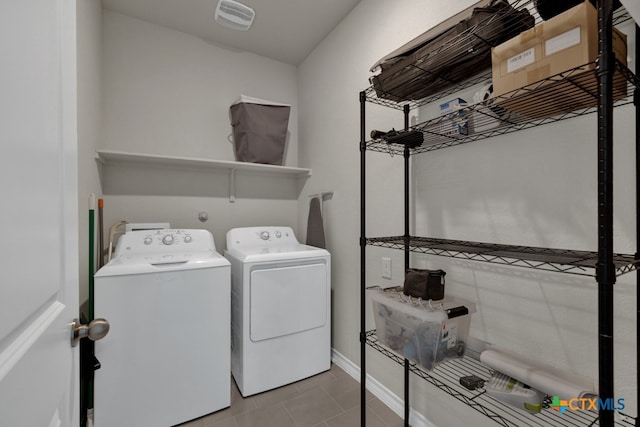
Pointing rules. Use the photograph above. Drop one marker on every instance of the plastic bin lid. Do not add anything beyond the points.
(429, 311)
(250, 100)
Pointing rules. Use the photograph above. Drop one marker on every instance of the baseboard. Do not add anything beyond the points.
(386, 396)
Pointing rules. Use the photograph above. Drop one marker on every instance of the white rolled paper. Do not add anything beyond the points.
(547, 379)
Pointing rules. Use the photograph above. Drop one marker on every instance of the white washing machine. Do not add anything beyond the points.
(166, 359)
(280, 308)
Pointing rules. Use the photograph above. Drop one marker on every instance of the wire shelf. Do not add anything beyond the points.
(446, 377)
(569, 261)
(560, 97)
(468, 42)
(481, 77)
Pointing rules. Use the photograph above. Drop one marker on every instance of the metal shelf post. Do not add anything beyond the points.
(363, 243)
(605, 271)
(636, 103)
(406, 155)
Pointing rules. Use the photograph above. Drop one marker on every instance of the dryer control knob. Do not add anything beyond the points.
(187, 239)
(278, 234)
(264, 235)
(148, 240)
(168, 239)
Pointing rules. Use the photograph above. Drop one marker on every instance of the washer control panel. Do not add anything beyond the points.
(260, 236)
(167, 240)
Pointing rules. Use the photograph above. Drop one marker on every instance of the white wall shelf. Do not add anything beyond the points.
(123, 173)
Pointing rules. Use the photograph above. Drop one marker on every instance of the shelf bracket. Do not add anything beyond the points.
(232, 185)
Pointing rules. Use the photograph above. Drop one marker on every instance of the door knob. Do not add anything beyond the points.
(95, 330)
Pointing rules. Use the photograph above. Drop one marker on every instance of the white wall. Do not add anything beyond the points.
(89, 30)
(533, 188)
(168, 93)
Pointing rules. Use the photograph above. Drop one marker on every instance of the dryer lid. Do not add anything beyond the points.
(276, 253)
(269, 243)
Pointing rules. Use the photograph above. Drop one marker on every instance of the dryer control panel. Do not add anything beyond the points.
(260, 236)
(168, 240)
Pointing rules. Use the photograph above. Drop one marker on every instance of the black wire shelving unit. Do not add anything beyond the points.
(592, 88)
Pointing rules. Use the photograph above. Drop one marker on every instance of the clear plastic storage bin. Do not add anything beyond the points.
(426, 332)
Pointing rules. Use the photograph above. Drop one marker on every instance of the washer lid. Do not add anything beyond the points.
(160, 262)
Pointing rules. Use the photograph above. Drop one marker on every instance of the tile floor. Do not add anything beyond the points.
(329, 399)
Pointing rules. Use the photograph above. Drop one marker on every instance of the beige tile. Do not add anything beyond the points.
(389, 417)
(229, 422)
(351, 418)
(348, 399)
(238, 406)
(338, 372)
(315, 381)
(341, 383)
(269, 416)
(217, 416)
(311, 407)
(329, 399)
(274, 396)
(195, 423)
(345, 391)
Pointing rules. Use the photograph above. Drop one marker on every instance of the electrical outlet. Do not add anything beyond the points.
(386, 268)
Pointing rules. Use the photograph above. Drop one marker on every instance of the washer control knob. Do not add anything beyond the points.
(148, 240)
(168, 239)
(187, 239)
(278, 234)
(264, 235)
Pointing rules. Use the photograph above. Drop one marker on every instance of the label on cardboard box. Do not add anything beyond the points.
(562, 41)
(521, 60)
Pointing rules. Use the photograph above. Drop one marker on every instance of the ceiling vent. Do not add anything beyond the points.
(233, 14)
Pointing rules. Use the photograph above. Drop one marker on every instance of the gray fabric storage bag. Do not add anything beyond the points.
(259, 130)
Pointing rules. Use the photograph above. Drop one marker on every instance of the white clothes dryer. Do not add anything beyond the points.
(166, 359)
(280, 308)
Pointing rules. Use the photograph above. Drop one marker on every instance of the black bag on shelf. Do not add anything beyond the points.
(449, 53)
(407, 138)
(425, 284)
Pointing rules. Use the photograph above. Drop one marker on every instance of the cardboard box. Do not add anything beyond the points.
(565, 42)
(427, 332)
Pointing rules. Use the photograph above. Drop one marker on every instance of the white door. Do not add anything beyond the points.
(38, 214)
